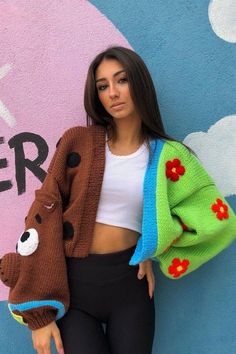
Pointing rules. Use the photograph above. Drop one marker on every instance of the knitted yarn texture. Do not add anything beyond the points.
(186, 221)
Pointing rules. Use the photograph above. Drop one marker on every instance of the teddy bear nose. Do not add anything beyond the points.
(25, 236)
(10, 269)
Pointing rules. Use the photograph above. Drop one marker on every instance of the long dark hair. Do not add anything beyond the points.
(142, 91)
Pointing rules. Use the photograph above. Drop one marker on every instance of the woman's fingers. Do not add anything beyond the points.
(42, 338)
(145, 268)
(142, 270)
(151, 284)
(58, 341)
(47, 351)
(43, 350)
(43, 347)
(39, 351)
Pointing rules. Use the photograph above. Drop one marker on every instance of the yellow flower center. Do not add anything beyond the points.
(179, 268)
(173, 169)
(222, 209)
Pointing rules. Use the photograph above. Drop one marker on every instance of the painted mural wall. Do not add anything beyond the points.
(190, 49)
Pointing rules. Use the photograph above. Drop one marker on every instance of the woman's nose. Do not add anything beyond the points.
(113, 92)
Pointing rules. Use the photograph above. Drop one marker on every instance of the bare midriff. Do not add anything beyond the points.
(109, 238)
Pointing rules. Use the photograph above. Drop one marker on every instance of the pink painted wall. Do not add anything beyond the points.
(46, 48)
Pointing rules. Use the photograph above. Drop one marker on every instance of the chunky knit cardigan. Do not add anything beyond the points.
(186, 221)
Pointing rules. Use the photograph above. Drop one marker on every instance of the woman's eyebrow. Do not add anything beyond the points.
(115, 74)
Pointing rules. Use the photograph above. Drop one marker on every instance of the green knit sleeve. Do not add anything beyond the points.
(200, 221)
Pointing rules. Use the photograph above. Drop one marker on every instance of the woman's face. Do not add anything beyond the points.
(113, 89)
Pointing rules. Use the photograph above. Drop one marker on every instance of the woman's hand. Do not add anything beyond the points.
(42, 338)
(145, 268)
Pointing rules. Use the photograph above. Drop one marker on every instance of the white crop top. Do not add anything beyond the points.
(121, 198)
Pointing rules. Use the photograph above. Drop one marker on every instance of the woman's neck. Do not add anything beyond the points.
(127, 135)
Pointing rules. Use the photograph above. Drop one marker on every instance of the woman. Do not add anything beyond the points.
(118, 194)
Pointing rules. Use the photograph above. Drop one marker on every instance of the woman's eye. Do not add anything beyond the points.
(123, 79)
(102, 87)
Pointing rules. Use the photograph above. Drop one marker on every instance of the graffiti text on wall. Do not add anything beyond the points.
(22, 162)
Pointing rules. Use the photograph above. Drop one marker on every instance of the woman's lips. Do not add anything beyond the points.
(118, 107)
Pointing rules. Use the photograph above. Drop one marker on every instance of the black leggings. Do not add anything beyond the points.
(104, 289)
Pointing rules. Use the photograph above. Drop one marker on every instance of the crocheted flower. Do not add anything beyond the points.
(174, 169)
(178, 267)
(220, 209)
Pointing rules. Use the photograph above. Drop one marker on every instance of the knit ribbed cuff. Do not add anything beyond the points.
(38, 318)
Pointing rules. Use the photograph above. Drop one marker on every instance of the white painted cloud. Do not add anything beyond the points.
(222, 17)
(216, 149)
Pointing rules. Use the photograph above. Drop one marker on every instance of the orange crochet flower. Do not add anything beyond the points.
(220, 209)
(174, 169)
(178, 267)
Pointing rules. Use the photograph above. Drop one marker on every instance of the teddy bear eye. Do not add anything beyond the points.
(28, 242)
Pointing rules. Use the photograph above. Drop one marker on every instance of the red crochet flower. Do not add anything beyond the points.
(220, 209)
(178, 267)
(174, 169)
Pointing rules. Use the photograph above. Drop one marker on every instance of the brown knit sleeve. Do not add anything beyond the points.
(36, 273)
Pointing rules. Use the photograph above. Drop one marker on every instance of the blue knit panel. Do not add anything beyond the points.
(37, 304)
(147, 242)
